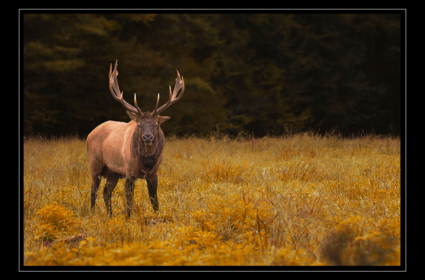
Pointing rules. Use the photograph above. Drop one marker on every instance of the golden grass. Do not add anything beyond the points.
(298, 200)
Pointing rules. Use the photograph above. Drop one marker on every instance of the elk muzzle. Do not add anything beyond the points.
(147, 139)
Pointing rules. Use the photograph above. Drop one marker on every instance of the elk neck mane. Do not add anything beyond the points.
(147, 156)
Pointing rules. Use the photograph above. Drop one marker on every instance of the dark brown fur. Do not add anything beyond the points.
(147, 156)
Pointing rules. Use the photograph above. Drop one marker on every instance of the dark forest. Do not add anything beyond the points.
(245, 73)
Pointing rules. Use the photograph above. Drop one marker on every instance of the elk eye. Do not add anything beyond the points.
(156, 125)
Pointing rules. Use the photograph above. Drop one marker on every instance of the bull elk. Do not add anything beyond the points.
(130, 150)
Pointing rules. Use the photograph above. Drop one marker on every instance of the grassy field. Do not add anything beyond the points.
(297, 200)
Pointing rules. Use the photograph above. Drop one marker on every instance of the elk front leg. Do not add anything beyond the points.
(152, 188)
(129, 191)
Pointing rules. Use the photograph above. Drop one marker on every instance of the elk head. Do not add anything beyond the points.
(149, 122)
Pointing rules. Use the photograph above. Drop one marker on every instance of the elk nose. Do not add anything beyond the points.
(147, 137)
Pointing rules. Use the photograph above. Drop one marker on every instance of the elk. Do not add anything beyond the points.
(130, 150)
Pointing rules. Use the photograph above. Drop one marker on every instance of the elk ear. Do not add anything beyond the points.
(162, 119)
(132, 116)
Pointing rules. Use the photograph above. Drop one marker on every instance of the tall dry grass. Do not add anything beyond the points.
(297, 200)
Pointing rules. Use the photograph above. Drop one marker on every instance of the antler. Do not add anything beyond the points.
(173, 96)
(117, 94)
(157, 102)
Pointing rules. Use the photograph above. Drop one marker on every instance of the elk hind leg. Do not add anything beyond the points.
(110, 185)
(129, 192)
(96, 170)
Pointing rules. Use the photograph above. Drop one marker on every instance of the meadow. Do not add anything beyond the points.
(298, 200)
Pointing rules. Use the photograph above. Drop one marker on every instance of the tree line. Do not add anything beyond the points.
(261, 74)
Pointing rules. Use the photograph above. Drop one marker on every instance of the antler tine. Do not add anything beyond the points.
(156, 107)
(115, 89)
(168, 103)
(173, 96)
(137, 106)
(177, 86)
